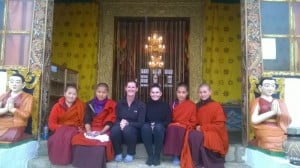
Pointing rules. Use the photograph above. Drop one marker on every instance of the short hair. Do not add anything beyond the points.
(155, 85)
(182, 84)
(20, 76)
(68, 86)
(204, 85)
(105, 85)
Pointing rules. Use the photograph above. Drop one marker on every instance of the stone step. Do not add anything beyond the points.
(43, 148)
(235, 153)
(43, 162)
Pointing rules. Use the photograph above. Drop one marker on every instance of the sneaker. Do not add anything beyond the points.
(176, 160)
(128, 158)
(118, 158)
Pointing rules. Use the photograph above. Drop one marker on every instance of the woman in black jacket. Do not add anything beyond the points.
(158, 117)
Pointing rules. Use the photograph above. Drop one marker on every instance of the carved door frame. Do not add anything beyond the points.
(166, 8)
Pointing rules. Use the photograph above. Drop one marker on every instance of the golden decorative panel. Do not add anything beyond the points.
(222, 52)
(75, 41)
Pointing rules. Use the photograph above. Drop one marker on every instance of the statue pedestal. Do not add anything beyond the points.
(256, 158)
(19, 153)
(292, 146)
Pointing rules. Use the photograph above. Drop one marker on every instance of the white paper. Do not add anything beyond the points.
(101, 138)
(144, 71)
(268, 48)
(3, 84)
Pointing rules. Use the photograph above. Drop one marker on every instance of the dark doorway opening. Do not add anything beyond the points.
(131, 60)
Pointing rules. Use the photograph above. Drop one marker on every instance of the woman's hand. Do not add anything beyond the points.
(123, 123)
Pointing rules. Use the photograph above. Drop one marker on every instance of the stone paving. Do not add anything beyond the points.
(233, 159)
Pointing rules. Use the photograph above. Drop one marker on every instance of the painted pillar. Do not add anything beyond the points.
(251, 51)
(41, 49)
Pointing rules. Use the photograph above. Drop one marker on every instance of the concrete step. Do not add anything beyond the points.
(235, 153)
(43, 148)
(43, 162)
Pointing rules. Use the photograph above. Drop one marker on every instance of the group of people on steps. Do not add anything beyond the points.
(195, 135)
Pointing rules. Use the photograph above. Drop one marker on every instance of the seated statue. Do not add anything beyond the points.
(269, 117)
(15, 109)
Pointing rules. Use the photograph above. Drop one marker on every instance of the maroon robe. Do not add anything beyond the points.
(209, 145)
(66, 123)
(183, 118)
(106, 115)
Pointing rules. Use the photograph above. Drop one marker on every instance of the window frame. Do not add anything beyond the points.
(294, 69)
(4, 32)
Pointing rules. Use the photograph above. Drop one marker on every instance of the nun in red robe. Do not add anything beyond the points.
(98, 119)
(183, 120)
(209, 142)
(65, 120)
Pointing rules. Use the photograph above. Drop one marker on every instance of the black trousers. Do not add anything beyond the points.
(153, 139)
(128, 136)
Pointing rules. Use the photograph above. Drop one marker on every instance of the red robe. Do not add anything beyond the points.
(212, 121)
(61, 115)
(65, 122)
(108, 114)
(184, 115)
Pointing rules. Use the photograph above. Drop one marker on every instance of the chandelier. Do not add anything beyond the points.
(155, 49)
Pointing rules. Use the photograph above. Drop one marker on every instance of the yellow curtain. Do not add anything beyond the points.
(75, 42)
(222, 51)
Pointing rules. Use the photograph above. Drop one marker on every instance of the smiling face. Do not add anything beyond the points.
(16, 84)
(181, 93)
(155, 93)
(101, 93)
(204, 92)
(268, 87)
(131, 89)
(70, 95)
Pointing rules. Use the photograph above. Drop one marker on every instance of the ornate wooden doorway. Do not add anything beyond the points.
(131, 59)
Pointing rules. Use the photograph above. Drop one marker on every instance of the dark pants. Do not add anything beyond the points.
(129, 136)
(155, 137)
(202, 156)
